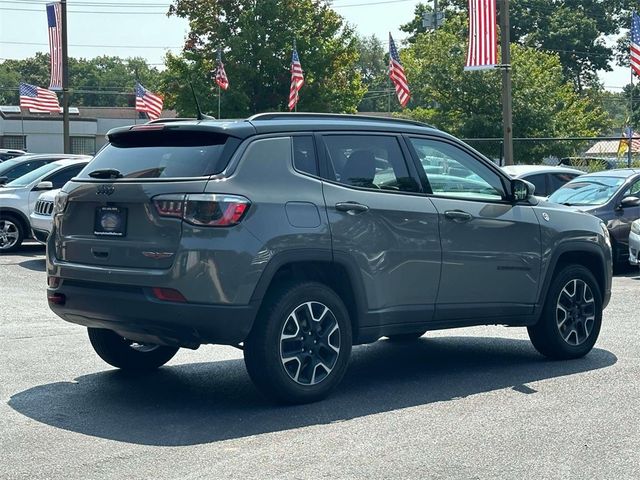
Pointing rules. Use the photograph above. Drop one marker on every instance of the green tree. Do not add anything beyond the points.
(373, 64)
(257, 38)
(468, 104)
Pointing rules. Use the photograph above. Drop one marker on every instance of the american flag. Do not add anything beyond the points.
(148, 102)
(482, 52)
(297, 79)
(38, 99)
(635, 43)
(55, 44)
(221, 75)
(396, 74)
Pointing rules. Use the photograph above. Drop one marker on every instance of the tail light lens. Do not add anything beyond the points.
(207, 210)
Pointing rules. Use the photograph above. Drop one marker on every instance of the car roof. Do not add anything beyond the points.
(517, 170)
(50, 156)
(616, 172)
(286, 122)
(70, 161)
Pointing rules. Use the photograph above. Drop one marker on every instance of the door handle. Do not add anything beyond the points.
(458, 215)
(351, 207)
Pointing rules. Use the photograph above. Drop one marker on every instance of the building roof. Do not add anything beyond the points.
(85, 113)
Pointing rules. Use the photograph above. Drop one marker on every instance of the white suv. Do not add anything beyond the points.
(41, 217)
(18, 198)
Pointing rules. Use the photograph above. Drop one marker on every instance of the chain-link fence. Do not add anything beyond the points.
(585, 153)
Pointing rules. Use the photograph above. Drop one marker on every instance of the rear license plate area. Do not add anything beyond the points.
(110, 222)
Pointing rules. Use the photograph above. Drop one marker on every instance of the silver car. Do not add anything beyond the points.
(634, 243)
(547, 179)
(18, 198)
(41, 217)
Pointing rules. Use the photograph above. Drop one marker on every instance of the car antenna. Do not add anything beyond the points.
(201, 116)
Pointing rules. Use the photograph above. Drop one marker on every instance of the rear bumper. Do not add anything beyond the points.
(135, 314)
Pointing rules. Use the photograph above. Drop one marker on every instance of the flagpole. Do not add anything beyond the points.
(219, 93)
(507, 98)
(65, 78)
(629, 151)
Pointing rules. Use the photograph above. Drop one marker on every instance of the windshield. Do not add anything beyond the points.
(587, 191)
(7, 164)
(32, 176)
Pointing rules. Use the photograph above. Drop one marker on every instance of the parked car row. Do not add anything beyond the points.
(19, 197)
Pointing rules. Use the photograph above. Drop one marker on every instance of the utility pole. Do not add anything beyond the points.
(507, 98)
(65, 79)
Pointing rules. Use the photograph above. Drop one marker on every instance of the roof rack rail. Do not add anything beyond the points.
(336, 116)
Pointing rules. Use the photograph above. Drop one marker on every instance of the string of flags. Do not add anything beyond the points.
(481, 54)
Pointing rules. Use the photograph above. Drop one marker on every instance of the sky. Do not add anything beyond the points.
(140, 28)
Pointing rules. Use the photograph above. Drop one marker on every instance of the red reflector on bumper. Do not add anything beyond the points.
(57, 298)
(168, 295)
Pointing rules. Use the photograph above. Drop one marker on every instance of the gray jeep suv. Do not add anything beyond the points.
(296, 236)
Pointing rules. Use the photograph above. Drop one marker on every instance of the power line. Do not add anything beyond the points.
(88, 45)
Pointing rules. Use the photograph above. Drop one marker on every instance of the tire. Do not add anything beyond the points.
(570, 324)
(406, 337)
(278, 335)
(127, 355)
(12, 233)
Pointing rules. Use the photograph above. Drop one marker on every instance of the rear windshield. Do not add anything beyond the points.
(163, 154)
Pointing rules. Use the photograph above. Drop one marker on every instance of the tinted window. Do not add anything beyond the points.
(634, 190)
(60, 178)
(163, 154)
(304, 155)
(368, 161)
(540, 183)
(32, 176)
(559, 179)
(24, 168)
(451, 172)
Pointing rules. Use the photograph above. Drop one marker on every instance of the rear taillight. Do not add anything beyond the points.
(169, 205)
(207, 210)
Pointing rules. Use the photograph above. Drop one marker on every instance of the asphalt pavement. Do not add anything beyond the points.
(468, 403)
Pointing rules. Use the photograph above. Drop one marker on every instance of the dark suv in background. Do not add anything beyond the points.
(296, 236)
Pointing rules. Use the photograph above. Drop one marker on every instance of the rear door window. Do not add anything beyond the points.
(59, 179)
(368, 161)
(164, 154)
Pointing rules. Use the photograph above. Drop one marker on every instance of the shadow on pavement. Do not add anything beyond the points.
(37, 265)
(27, 250)
(208, 402)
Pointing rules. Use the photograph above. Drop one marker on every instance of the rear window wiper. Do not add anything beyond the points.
(106, 173)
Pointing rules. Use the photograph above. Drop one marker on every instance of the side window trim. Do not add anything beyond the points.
(327, 174)
(464, 148)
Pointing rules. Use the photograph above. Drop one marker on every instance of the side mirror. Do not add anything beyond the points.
(44, 186)
(521, 190)
(627, 202)
(3, 180)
